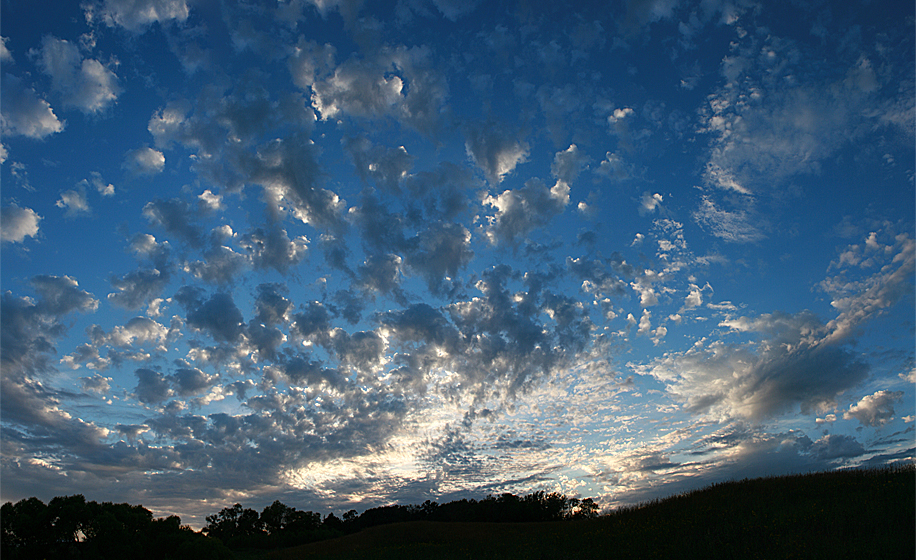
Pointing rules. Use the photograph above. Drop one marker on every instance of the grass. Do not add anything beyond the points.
(839, 514)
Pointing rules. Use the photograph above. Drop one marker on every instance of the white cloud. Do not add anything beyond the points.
(144, 161)
(24, 113)
(18, 223)
(733, 226)
(5, 55)
(787, 366)
(649, 203)
(136, 15)
(84, 83)
(104, 188)
(74, 201)
(874, 410)
(861, 298)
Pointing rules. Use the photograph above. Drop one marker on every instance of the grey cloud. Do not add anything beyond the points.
(836, 447)
(266, 339)
(349, 305)
(146, 245)
(152, 386)
(788, 370)
(24, 113)
(271, 306)
(422, 323)
(314, 322)
(397, 82)
(300, 370)
(363, 350)
(221, 265)
(386, 166)
(191, 381)
(596, 277)
(441, 251)
(138, 287)
(177, 217)
(381, 229)
(518, 212)
(382, 273)
(443, 192)
(496, 152)
(288, 170)
(218, 316)
(568, 164)
(61, 295)
(272, 248)
(87, 355)
(26, 336)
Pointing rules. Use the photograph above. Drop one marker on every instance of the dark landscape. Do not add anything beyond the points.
(857, 513)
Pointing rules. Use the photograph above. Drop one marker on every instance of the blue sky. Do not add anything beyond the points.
(345, 254)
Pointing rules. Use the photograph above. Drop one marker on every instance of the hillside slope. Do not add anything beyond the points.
(847, 514)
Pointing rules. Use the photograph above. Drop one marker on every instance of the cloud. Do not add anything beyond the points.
(177, 217)
(788, 367)
(386, 166)
(496, 152)
(18, 223)
(138, 287)
(733, 226)
(649, 203)
(518, 212)
(60, 295)
(567, 164)
(397, 82)
(835, 446)
(272, 248)
(99, 184)
(860, 296)
(29, 327)
(874, 410)
(441, 252)
(24, 113)
(144, 161)
(5, 55)
(136, 15)
(218, 316)
(96, 384)
(764, 133)
(74, 202)
(84, 83)
(152, 387)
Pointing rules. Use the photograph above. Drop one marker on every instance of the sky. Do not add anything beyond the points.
(344, 253)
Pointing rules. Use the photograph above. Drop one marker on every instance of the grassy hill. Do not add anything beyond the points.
(845, 514)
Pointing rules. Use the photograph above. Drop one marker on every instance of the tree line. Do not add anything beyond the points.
(71, 527)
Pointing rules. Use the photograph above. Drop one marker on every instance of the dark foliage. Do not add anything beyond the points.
(834, 515)
(72, 528)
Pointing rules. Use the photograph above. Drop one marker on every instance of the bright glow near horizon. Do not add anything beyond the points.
(346, 254)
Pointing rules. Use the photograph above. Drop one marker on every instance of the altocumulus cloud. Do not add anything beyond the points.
(365, 256)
